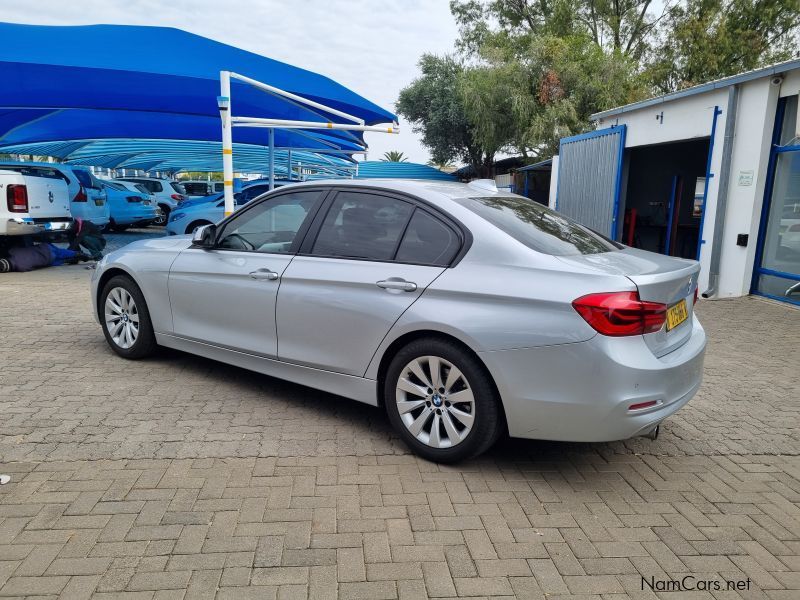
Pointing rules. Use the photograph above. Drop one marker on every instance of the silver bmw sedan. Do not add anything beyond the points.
(464, 311)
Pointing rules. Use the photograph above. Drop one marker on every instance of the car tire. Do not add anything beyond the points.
(194, 225)
(163, 219)
(465, 428)
(125, 319)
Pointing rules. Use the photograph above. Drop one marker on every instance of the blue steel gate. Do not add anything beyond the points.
(590, 179)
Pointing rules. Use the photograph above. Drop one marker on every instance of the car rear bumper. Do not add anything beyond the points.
(28, 226)
(582, 392)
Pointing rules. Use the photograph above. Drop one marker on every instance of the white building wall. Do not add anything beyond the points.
(758, 102)
(690, 118)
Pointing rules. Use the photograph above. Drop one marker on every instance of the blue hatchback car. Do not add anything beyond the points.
(202, 211)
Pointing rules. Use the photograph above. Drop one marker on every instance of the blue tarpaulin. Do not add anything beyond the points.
(118, 81)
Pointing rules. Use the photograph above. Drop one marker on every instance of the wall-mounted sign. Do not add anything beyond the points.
(745, 178)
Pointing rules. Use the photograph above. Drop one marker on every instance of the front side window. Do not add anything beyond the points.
(271, 226)
(362, 225)
(537, 227)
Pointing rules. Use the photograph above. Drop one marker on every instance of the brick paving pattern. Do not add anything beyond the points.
(178, 477)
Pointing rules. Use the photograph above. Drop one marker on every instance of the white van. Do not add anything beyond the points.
(33, 199)
(86, 192)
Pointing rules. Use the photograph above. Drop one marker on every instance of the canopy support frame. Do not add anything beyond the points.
(229, 121)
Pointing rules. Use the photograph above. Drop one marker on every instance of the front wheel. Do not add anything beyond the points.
(125, 318)
(441, 401)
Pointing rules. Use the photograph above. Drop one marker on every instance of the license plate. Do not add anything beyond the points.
(676, 314)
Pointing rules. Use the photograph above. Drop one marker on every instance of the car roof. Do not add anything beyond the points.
(452, 190)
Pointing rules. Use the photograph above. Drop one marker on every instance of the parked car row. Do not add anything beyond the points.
(197, 212)
(43, 196)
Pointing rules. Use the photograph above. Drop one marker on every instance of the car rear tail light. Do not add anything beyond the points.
(134, 199)
(621, 313)
(81, 195)
(17, 198)
(177, 197)
(696, 294)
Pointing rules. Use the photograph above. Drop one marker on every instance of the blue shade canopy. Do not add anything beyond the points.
(400, 170)
(121, 81)
(179, 155)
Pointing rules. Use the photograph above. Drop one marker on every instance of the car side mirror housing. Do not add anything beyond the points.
(204, 236)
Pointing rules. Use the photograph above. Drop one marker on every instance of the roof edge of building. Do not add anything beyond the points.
(775, 69)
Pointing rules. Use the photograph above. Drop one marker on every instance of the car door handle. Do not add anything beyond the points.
(395, 283)
(264, 275)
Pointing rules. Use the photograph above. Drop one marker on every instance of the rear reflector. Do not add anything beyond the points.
(177, 197)
(641, 405)
(17, 198)
(619, 314)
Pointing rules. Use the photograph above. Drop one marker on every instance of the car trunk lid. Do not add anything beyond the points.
(658, 278)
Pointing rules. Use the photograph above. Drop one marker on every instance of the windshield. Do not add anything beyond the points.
(537, 227)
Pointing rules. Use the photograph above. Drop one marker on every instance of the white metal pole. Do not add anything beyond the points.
(296, 98)
(271, 159)
(224, 102)
(289, 124)
(289, 164)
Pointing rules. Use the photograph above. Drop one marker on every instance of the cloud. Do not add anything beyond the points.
(370, 46)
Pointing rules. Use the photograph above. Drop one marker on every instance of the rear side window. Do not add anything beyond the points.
(84, 178)
(362, 225)
(428, 241)
(537, 227)
(178, 188)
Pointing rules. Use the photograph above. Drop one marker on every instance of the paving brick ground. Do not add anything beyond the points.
(178, 477)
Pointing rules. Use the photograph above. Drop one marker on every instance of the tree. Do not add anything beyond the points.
(434, 105)
(394, 156)
(708, 39)
(442, 166)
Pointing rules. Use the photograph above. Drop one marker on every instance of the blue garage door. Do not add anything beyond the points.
(589, 178)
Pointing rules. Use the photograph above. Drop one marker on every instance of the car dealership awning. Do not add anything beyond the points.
(119, 82)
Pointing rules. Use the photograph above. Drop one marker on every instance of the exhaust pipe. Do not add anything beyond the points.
(653, 433)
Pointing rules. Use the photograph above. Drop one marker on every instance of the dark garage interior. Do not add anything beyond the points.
(662, 200)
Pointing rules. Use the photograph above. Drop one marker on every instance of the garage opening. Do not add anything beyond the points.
(663, 197)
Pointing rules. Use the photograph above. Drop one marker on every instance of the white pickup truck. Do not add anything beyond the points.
(33, 199)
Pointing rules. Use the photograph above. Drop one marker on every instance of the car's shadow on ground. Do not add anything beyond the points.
(368, 421)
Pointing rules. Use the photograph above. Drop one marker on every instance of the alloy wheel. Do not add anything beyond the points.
(435, 402)
(122, 317)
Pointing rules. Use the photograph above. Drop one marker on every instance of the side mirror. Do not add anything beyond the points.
(205, 236)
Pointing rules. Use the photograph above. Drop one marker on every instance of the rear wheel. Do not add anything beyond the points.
(125, 318)
(441, 401)
(162, 218)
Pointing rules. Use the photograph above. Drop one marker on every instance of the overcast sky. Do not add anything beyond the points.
(370, 46)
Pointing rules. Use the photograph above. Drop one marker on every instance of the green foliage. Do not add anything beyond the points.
(529, 72)
(433, 104)
(709, 39)
(394, 156)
